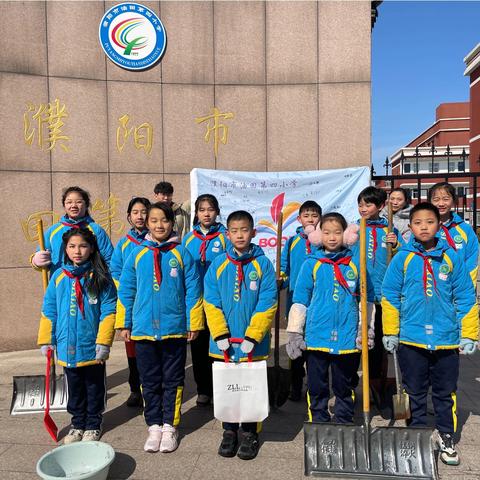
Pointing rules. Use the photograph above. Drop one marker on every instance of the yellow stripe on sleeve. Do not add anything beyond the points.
(462, 234)
(177, 255)
(215, 320)
(140, 255)
(120, 316)
(197, 318)
(261, 323)
(473, 276)
(292, 246)
(222, 267)
(390, 318)
(59, 278)
(315, 268)
(124, 246)
(222, 240)
(44, 331)
(470, 324)
(257, 267)
(448, 260)
(55, 232)
(408, 259)
(189, 239)
(106, 330)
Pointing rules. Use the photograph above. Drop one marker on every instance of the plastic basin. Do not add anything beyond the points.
(77, 461)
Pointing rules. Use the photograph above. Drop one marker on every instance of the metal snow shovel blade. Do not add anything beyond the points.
(333, 450)
(401, 400)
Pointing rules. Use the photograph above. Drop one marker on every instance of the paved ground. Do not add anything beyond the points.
(23, 439)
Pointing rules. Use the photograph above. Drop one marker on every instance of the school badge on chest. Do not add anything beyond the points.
(174, 267)
(253, 276)
(444, 271)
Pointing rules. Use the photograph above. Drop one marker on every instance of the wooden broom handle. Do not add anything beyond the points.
(363, 310)
(41, 241)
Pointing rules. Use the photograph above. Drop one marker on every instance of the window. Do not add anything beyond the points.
(460, 191)
(436, 167)
(406, 168)
(461, 166)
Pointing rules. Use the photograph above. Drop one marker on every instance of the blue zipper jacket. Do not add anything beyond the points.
(54, 243)
(122, 250)
(463, 239)
(429, 303)
(159, 299)
(215, 242)
(63, 324)
(239, 307)
(377, 230)
(332, 308)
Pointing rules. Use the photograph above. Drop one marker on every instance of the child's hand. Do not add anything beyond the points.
(125, 334)
(45, 348)
(42, 259)
(102, 352)
(223, 344)
(390, 342)
(192, 336)
(247, 346)
(295, 345)
(392, 238)
(467, 346)
(371, 339)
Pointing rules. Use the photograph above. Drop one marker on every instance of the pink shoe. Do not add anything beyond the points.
(154, 438)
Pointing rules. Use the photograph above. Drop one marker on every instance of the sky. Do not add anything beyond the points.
(417, 63)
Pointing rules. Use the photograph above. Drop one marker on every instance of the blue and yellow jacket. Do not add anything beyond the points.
(160, 292)
(241, 300)
(428, 299)
(204, 248)
(377, 231)
(332, 300)
(63, 324)
(54, 243)
(461, 237)
(122, 250)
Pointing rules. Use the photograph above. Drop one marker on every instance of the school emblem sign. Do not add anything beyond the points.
(132, 36)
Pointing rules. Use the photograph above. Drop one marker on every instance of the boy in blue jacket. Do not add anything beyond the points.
(430, 314)
(240, 301)
(294, 254)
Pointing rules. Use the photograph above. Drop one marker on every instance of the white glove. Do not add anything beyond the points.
(102, 352)
(296, 318)
(45, 348)
(42, 258)
(295, 345)
(223, 344)
(247, 346)
(371, 339)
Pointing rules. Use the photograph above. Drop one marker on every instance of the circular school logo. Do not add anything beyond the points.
(132, 36)
(253, 276)
(444, 269)
(351, 275)
(458, 239)
(173, 262)
(216, 243)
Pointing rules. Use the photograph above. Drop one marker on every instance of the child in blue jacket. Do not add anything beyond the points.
(205, 242)
(136, 216)
(240, 302)
(160, 307)
(324, 320)
(294, 254)
(78, 317)
(454, 230)
(76, 202)
(430, 314)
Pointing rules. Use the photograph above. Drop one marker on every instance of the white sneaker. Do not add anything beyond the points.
(92, 435)
(74, 435)
(154, 438)
(448, 452)
(169, 439)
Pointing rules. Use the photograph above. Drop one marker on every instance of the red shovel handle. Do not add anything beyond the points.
(226, 356)
(47, 419)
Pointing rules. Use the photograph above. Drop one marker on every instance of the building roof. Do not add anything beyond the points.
(472, 60)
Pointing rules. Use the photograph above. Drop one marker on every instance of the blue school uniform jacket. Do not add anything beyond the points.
(63, 324)
(241, 300)
(428, 299)
(461, 237)
(161, 297)
(377, 230)
(332, 301)
(122, 250)
(54, 243)
(205, 248)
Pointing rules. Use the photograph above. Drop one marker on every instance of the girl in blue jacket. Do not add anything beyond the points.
(136, 216)
(205, 242)
(160, 306)
(324, 320)
(76, 202)
(78, 317)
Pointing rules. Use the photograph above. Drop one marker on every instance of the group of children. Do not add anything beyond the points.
(160, 293)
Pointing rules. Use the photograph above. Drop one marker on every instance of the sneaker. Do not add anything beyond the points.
(92, 435)
(74, 435)
(135, 400)
(448, 454)
(169, 439)
(203, 400)
(228, 447)
(154, 438)
(249, 446)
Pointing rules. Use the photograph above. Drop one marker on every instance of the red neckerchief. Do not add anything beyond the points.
(78, 289)
(239, 264)
(336, 269)
(307, 241)
(133, 239)
(205, 239)
(448, 237)
(157, 258)
(75, 225)
(374, 235)
(427, 267)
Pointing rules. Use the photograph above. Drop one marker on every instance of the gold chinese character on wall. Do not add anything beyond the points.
(142, 135)
(220, 130)
(105, 211)
(29, 226)
(46, 121)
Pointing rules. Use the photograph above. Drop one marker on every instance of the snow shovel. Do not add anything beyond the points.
(401, 400)
(333, 450)
(278, 377)
(30, 392)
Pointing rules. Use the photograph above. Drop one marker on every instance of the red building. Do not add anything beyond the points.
(472, 61)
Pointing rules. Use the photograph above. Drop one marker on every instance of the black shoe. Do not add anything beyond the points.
(249, 447)
(203, 400)
(228, 447)
(135, 400)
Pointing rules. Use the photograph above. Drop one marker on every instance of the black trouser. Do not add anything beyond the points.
(377, 356)
(297, 372)
(344, 368)
(162, 372)
(251, 427)
(133, 375)
(86, 396)
(422, 368)
(202, 363)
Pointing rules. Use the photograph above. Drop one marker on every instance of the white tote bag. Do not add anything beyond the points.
(240, 391)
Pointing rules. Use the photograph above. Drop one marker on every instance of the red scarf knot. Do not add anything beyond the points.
(448, 237)
(78, 289)
(75, 225)
(239, 264)
(374, 236)
(336, 269)
(308, 245)
(157, 258)
(205, 239)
